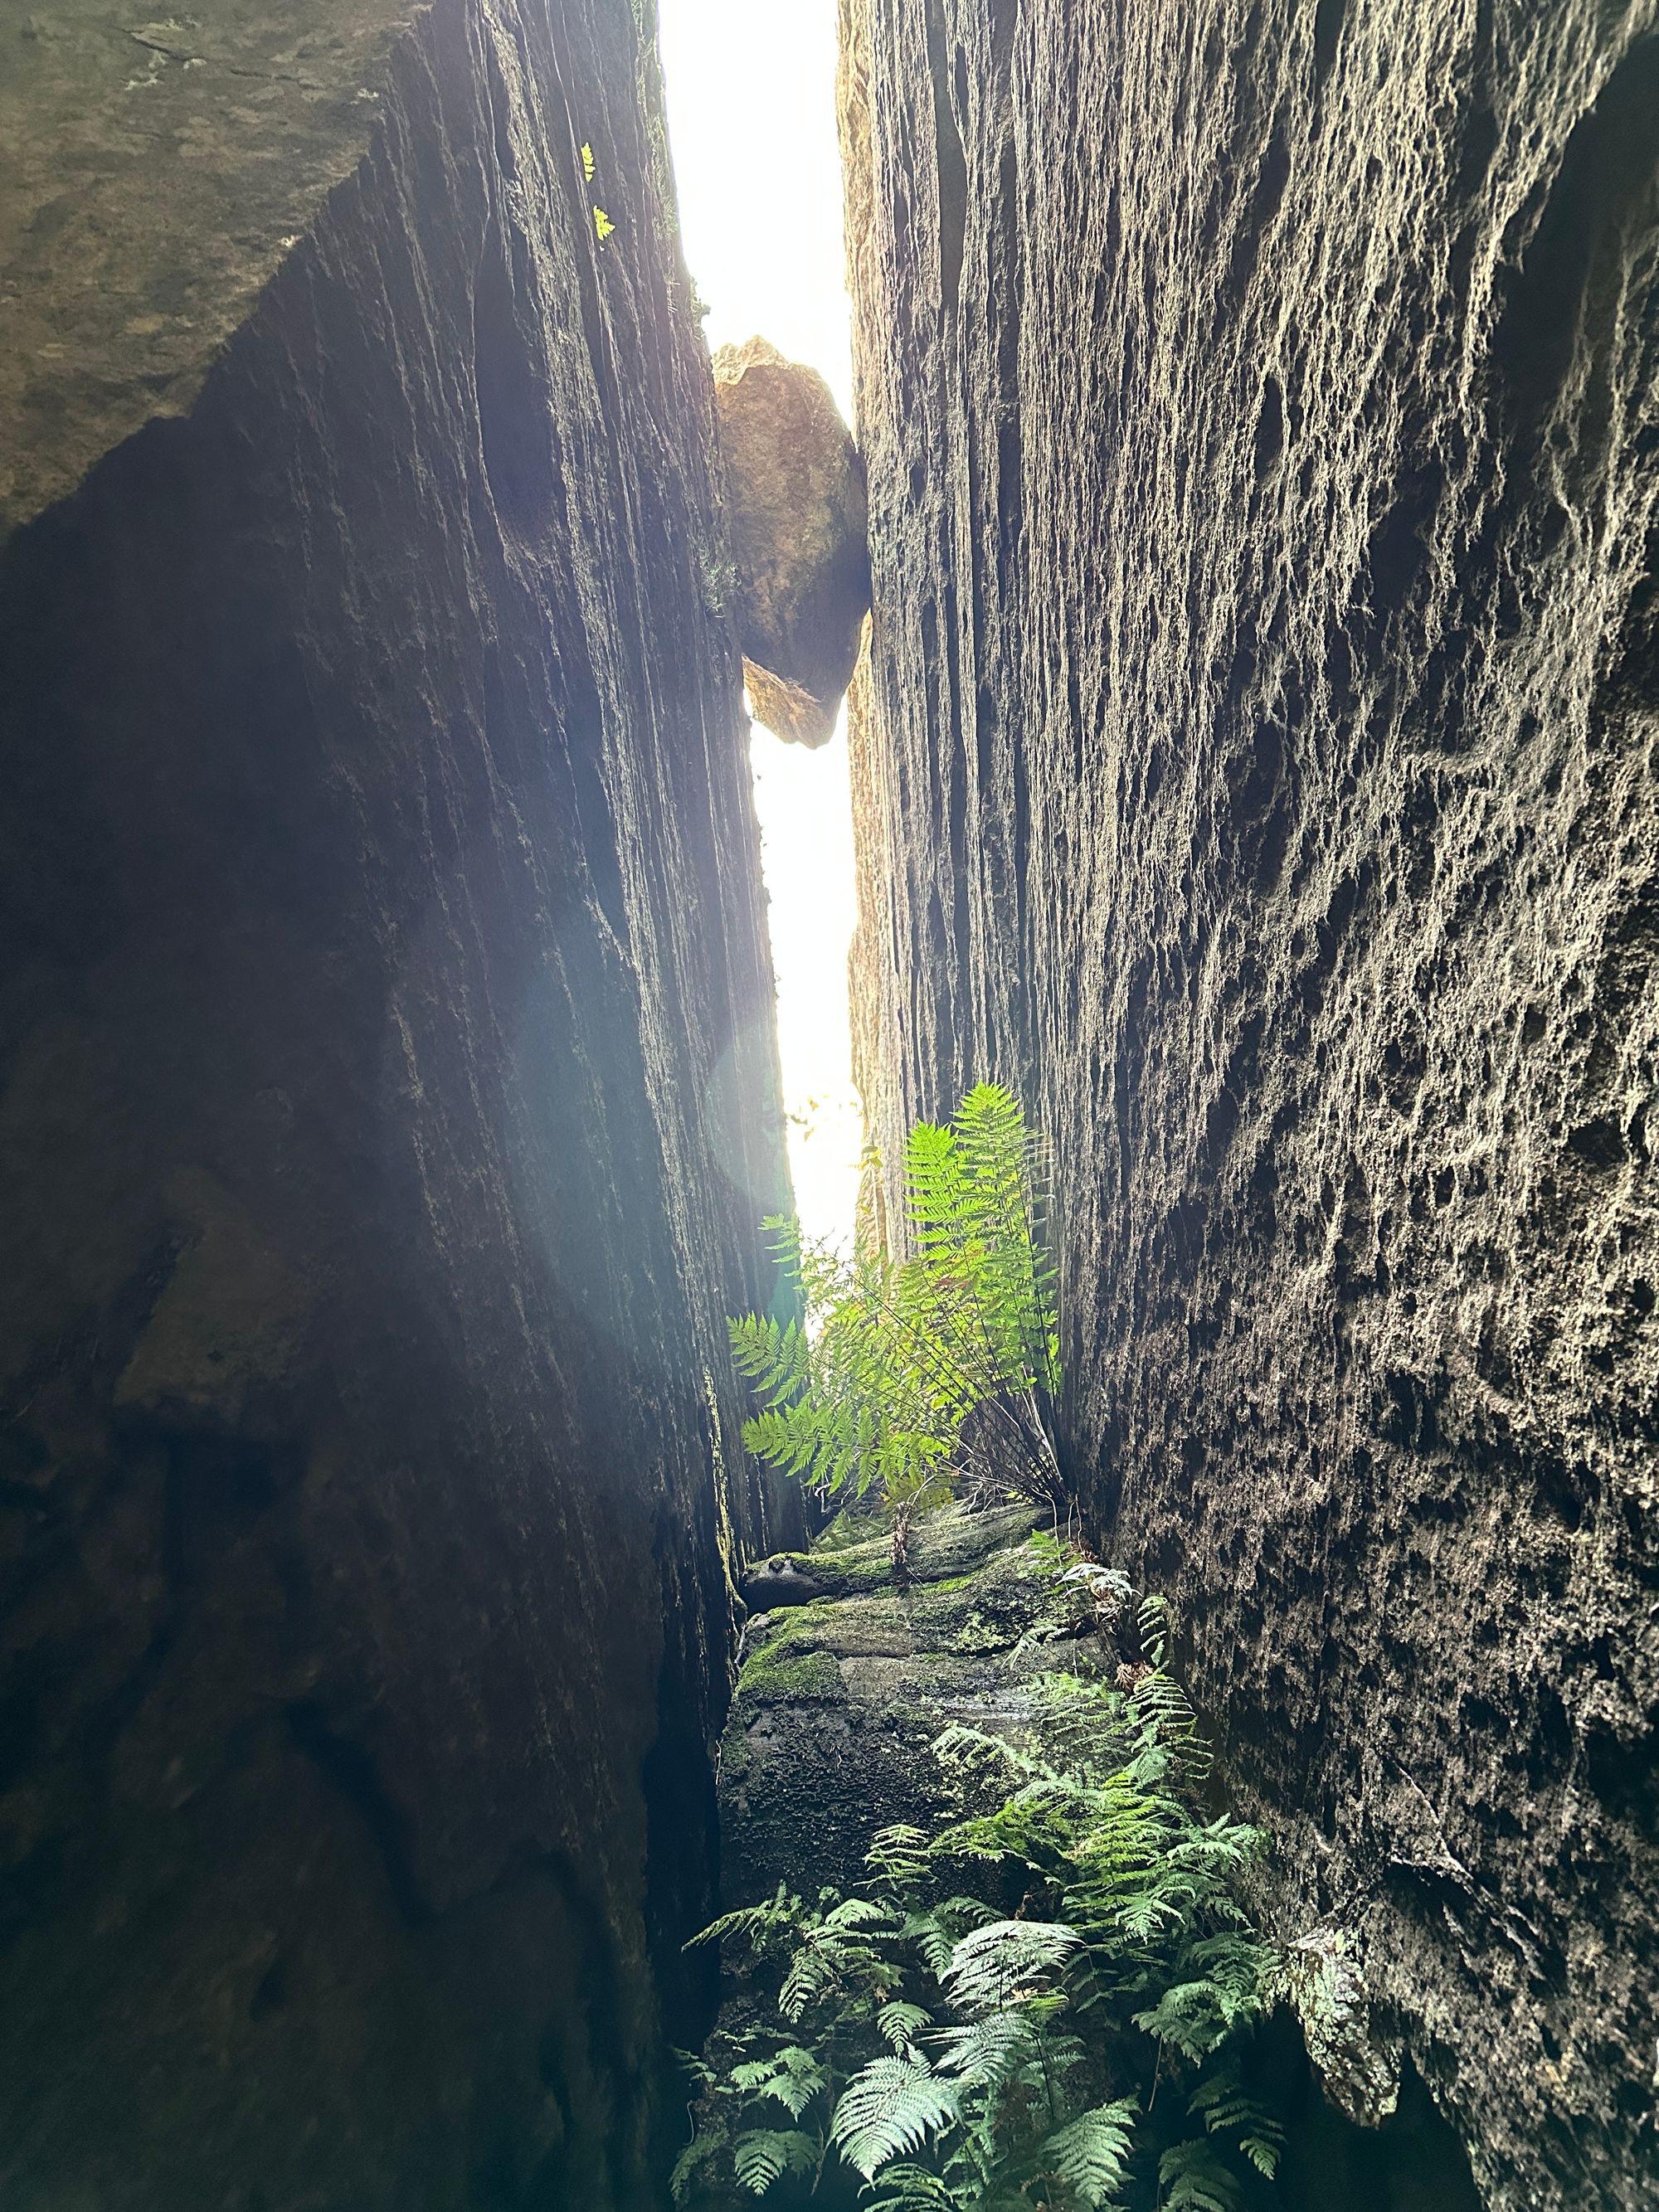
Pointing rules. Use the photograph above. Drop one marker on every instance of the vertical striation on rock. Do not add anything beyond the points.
(1262, 770)
(389, 1095)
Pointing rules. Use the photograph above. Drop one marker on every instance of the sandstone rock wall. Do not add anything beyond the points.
(1260, 755)
(389, 1096)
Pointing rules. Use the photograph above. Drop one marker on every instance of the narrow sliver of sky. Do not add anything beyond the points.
(751, 88)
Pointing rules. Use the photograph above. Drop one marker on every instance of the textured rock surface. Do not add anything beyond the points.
(153, 175)
(797, 519)
(388, 1096)
(1260, 769)
(840, 1699)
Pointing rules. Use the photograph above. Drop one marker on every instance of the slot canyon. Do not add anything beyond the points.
(1254, 760)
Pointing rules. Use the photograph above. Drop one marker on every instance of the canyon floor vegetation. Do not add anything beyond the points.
(1043, 2001)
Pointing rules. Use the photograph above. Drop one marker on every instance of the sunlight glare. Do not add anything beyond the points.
(750, 90)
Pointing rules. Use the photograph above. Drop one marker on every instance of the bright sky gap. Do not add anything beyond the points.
(751, 88)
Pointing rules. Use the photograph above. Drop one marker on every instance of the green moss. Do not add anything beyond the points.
(736, 1758)
(778, 1676)
(867, 1573)
(978, 1634)
(800, 1623)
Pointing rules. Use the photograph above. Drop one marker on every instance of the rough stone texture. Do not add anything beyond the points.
(840, 1698)
(1262, 770)
(797, 520)
(153, 175)
(389, 1095)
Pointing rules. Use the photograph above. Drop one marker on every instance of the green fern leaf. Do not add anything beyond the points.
(1193, 2180)
(890, 2107)
(903, 2187)
(793, 2076)
(1091, 2153)
(702, 2147)
(990, 1965)
(901, 2023)
(762, 2155)
(906, 1368)
(987, 2053)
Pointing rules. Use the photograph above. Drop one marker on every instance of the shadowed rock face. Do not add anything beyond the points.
(389, 1091)
(1258, 767)
(797, 517)
(152, 175)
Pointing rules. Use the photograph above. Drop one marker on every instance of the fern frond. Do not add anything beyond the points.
(1091, 2153)
(793, 2076)
(771, 1354)
(782, 1912)
(937, 1931)
(890, 2107)
(762, 2155)
(1193, 2180)
(1225, 2108)
(1265, 2149)
(1167, 1742)
(1225, 1990)
(903, 2187)
(705, 2145)
(901, 2023)
(990, 1965)
(898, 1856)
(905, 1368)
(1154, 1624)
(986, 2052)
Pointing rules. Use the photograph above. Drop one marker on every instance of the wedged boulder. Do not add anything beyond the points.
(795, 486)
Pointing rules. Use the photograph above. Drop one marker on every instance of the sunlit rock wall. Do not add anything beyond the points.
(389, 1097)
(1260, 768)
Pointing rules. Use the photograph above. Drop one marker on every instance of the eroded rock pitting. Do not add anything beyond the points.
(1255, 766)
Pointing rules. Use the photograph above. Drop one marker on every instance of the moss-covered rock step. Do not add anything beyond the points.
(853, 1667)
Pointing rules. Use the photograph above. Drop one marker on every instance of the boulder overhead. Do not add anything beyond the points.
(795, 485)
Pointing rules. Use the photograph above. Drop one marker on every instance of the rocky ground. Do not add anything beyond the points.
(853, 1670)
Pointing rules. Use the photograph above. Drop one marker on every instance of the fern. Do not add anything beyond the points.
(793, 2076)
(780, 1915)
(762, 2155)
(990, 1963)
(901, 2023)
(902, 2187)
(907, 1374)
(1227, 2108)
(704, 2148)
(986, 2052)
(890, 2107)
(961, 2060)
(1091, 2153)
(1193, 2180)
